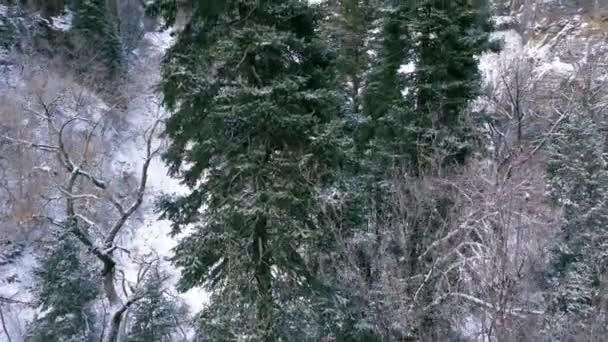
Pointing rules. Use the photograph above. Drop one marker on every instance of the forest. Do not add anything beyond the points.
(297, 170)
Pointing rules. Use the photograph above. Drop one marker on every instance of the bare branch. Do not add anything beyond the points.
(4, 328)
(41, 147)
(150, 154)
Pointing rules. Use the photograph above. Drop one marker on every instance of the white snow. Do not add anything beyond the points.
(493, 65)
(152, 235)
(161, 41)
(63, 22)
(503, 20)
(407, 68)
(17, 315)
(557, 66)
(145, 233)
(3, 10)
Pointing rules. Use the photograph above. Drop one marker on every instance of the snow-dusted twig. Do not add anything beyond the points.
(4, 328)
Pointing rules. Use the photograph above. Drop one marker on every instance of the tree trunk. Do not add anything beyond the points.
(263, 278)
(114, 333)
(117, 309)
(108, 283)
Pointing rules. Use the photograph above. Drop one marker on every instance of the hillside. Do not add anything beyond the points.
(79, 143)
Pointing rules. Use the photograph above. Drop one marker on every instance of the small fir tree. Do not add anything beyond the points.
(156, 317)
(578, 179)
(64, 289)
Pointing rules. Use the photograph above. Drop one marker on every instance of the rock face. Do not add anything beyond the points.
(550, 49)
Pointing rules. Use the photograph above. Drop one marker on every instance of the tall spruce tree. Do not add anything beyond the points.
(425, 110)
(379, 141)
(97, 37)
(384, 133)
(255, 135)
(578, 179)
(417, 120)
(350, 27)
(64, 288)
(447, 38)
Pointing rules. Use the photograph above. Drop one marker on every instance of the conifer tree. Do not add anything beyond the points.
(578, 178)
(385, 130)
(98, 38)
(256, 136)
(447, 38)
(157, 316)
(64, 288)
(350, 27)
(416, 119)
(416, 114)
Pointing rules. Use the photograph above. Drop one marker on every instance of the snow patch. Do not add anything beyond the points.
(15, 279)
(504, 20)
(493, 65)
(556, 66)
(63, 22)
(407, 68)
(161, 41)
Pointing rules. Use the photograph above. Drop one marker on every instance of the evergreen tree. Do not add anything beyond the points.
(156, 317)
(578, 178)
(384, 135)
(64, 288)
(350, 27)
(256, 136)
(412, 116)
(98, 38)
(416, 120)
(447, 38)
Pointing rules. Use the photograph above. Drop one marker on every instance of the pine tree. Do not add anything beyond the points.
(98, 38)
(447, 38)
(349, 26)
(64, 289)
(255, 135)
(415, 115)
(157, 316)
(385, 132)
(416, 120)
(578, 179)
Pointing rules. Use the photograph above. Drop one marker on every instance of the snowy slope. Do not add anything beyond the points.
(556, 52)
(153, 234)
(145, 234)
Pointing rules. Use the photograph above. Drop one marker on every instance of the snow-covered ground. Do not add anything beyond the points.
(153, 234)
(145, 233)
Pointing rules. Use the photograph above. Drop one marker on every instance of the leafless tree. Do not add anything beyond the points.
(82, 186)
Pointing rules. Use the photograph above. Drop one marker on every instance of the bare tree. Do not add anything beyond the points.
(81, 185)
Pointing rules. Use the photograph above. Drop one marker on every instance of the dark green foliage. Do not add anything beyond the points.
(48, 8)
(348, 28)
(578, 176)
(255, 135)
(449, 36)
(64, 288)
(157, 317)
(416, 122)
(97, 38)
(385, 135)
(414, 117)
